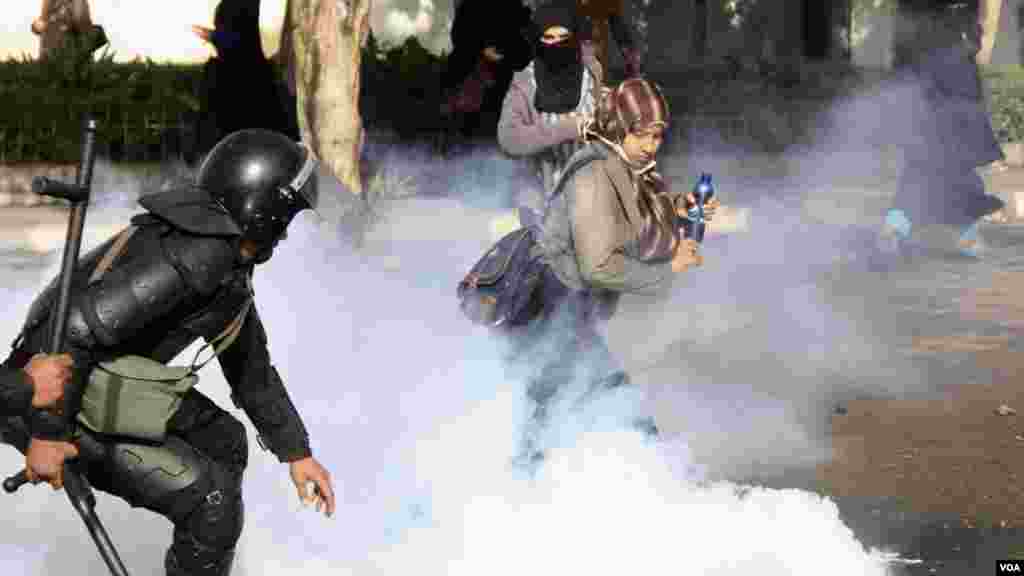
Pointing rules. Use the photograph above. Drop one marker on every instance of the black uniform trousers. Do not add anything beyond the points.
(193, 478)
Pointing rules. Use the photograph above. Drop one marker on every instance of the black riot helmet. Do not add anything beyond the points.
(263, 179)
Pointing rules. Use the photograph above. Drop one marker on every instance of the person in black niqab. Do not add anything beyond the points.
(952, 133)
(489, 44)
(558, 66)
(240, 90)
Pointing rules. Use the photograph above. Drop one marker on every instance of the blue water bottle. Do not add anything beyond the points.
(702, 192)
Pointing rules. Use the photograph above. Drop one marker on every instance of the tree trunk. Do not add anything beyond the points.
(988, 17)
(285, 51)
(326, 47)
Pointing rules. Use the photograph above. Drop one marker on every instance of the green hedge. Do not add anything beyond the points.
(1006, 92)
(401, 87)
(138, 102)
(42, 102)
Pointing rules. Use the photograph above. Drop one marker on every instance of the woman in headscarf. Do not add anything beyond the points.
(610, 228)
(952, 136)
(489, 45)
(549, 102)
(240, 90)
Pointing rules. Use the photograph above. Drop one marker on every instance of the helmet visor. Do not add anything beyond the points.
(318, 189)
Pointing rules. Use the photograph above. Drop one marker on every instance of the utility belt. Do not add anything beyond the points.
(134, 396)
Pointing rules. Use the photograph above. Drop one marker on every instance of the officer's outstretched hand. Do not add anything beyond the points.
(307, 471)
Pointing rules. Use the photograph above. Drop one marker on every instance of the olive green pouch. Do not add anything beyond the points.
(135, 396)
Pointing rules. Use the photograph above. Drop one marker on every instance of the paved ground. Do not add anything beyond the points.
(945, 469)
(937, 474)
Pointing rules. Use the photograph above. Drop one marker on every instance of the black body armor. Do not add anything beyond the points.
(168, 288)
(182, 276)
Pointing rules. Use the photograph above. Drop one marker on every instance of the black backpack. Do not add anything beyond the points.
(502, 283)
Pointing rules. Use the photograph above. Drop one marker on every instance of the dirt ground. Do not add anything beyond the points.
(957, 453)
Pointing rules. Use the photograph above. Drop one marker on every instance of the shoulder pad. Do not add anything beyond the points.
(146, 219)
(41, 307)
(192, 210)
(204, 262)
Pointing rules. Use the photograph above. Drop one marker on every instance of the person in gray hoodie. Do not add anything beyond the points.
(549, 103)
(611, 228)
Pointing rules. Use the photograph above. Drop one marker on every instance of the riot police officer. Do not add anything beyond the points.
(182, 274)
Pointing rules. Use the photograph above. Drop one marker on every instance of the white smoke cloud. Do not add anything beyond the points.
(412, 411)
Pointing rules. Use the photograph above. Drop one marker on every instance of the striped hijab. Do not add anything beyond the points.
(634, 106)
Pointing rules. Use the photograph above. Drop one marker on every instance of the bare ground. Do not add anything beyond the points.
(955, 454)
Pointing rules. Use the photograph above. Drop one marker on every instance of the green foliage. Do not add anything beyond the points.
(1005, 86)
(43, 101)
(401, 91)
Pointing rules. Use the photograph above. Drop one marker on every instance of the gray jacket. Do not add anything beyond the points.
(549, 141)
(588, 229)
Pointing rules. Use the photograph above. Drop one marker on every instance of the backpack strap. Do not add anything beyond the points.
(121, 240)
(221, 341)
(115, 250)
(227, 336)
(579, 159)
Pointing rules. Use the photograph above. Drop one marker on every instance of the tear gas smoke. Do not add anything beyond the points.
(411, 410)
(749, 354)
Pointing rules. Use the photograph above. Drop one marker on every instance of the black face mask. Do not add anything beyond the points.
(559, 73)
(558, 57)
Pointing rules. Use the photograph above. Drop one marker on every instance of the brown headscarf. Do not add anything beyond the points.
(634, 106)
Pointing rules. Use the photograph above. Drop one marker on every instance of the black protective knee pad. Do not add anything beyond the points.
(205, 539)
(150, 476)
(217, 519)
